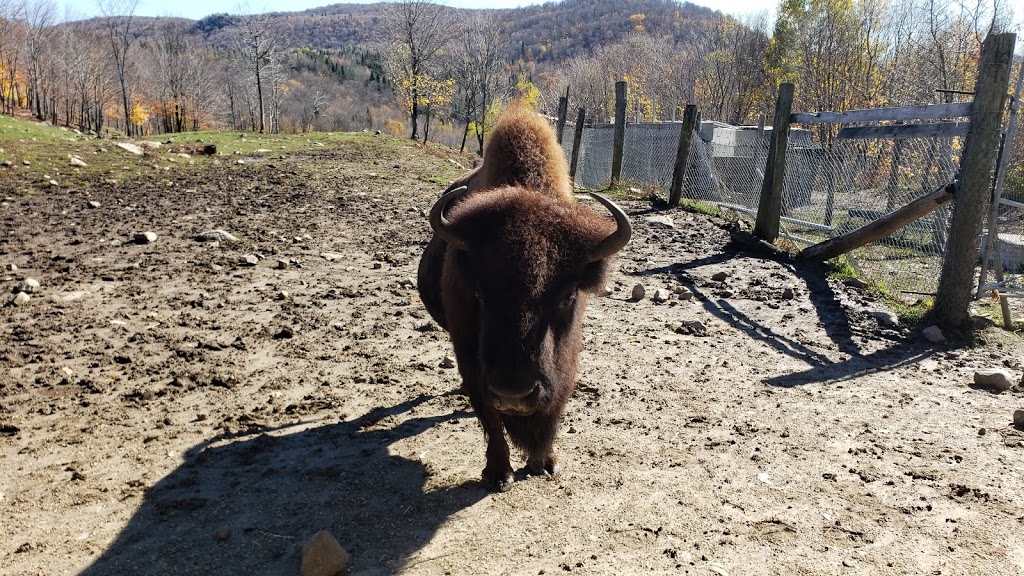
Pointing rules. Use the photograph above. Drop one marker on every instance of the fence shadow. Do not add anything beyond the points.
(273, 491)
(830, 312)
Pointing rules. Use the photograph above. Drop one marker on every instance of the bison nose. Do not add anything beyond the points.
(513, 386)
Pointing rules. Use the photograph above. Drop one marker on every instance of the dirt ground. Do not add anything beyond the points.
(167, 408)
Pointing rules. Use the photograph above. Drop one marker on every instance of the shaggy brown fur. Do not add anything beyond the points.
(514, 302)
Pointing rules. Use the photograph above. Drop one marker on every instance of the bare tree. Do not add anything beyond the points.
(39, 19)
(118, 18)
(12, 43)
(417, 33)
(260, 47)
(478, 65)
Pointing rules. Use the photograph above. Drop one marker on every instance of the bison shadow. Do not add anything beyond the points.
(247, 506)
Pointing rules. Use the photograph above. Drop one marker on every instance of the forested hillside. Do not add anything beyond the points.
(427, 70)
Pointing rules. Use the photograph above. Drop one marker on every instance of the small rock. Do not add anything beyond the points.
(982, 431)
(217, 236)
(76, 161)
(720, 276)
(94, 204)
(249, 260)
(661, 221)
(145, 237)
(692, 327)
(606, 290)
(11, 267)
(934, 334)
(660, 296)
(322, 555)
(788, 294)
(26, 162)
(222, 535)
(30, 285)
(210, 149)
(448, 362)
(240, 161)
(377, 265)
(407, 283)
(53, 183)
(20, 299)
(1018, 419)
(855, 283)
(638, 292)
(129, 147)
(284, 333)
(283, 295)
(329, 256)
(281, 265)
(7, 163)
(998, 379)
(885, 318)
(684, 293)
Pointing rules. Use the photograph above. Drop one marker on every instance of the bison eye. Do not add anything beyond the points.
(568, 301)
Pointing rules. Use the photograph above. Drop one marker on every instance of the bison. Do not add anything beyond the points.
(507, 274)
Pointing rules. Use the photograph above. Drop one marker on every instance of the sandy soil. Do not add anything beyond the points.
(167, 409)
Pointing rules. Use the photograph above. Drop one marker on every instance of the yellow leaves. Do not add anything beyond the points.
(139, 114)
(528, 92)
(394, 127)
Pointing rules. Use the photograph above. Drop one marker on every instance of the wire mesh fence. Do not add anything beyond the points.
(848, 183)
(832, 185)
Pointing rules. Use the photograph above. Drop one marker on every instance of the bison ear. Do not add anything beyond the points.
(594, 276)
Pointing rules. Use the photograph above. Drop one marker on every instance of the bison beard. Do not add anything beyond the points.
(507, 274)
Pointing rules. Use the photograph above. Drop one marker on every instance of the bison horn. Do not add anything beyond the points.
(441, 225)
(616, 240)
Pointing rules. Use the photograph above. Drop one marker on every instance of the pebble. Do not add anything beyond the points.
(11, 267)
(377, 266)
(94, 204)
(7, 163)
(934, 334)
(30, 285)
(217, 236)
(20, 299)
(249, 260)
(692, 327)
(222, 535)
(52, 183)
(788, 294)
(1018, 419)
(26, 162)
(720, 276)
(684, 293)
(638, 292)
(329, 256)
(660, 295)
(448, 362)
(982, 431)
(281, 265)
(407, 283)
(76, 161)
(322, 555)
(998, 379)
(145, 237)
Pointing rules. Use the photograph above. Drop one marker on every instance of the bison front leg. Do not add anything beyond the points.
(498, 471)
(541, 459)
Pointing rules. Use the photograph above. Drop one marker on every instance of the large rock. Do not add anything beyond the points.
(28, 285)
(994, 377)
(638, 292)
(20, 299)
(128, 146)
(934, 334)
(322, 555)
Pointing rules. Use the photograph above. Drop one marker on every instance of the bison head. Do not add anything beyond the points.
(526, 262)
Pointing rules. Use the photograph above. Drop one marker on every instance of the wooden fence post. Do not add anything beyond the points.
(952, 302)
(563, 111)
(682, 154)
(769, 209)
(577, 139)
(620, 131)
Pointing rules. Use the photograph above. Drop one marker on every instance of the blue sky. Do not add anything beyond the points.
(196, 9)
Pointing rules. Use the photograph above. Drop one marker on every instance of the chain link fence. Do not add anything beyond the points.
(832, 186)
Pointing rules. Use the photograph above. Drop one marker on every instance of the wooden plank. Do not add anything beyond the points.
(769, 207)
(682, 155)
(901, 131)
(619, 136)
(563, 111)
(923, 112)
(879, 228)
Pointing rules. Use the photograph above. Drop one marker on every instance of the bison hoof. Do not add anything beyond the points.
(498, 481)
(547, 466)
